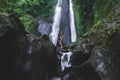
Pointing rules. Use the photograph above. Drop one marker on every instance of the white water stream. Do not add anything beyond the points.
(65, 60)
(56, 23)
(65, 57)
(72, 22)
(57, 20)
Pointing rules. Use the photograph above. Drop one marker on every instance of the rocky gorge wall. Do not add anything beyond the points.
(24, 56)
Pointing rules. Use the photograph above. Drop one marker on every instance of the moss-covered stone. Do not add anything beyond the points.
(107, 26)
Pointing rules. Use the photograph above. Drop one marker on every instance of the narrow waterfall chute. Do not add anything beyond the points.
(63, 21)
(65, 60)
(72, 22)
(56, 23)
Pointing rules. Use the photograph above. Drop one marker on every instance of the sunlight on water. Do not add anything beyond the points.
(65, 60)
(72, 23)
(56, 23)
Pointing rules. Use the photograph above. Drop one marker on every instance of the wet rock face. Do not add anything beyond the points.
(24, 56)
(106, 60)
(40, 61)
(99, 62)
(81, 68)
(12, 45)
(78, 58)
(85, 72)
(44, 27)
(114, 56)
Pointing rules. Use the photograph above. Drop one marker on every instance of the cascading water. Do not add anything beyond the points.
(56, 23)
(72, 22)
(65, 60)
(65, 57)
(64, 22)
(61, 15)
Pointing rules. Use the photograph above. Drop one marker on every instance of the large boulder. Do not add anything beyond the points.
(114, 56)
(106, 58)
(80, 68)
(98, 60)
(41, 62)
(24, 56)
(12, 45)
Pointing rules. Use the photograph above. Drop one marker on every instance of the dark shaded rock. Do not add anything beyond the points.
(41, 63)
(24, 56)
(85, 72)
(81, 68)
(81, 51)
(78, 58)
(104, 56)
(114, 56)
(12, 45)
(98, 60)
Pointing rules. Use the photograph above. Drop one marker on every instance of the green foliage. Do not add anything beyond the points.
(101, 9)
(31, 7)
(77, 13)
(84, 15)
(78, 18)
(28, 22)
(90, 14)
(107, 25)
(28, 10)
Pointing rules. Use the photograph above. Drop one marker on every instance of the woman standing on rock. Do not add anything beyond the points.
(61, 40)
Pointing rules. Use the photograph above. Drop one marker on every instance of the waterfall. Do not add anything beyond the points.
(56, 23)
(65, 60)
(64, 22)
(61, 23)
(72, 22)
